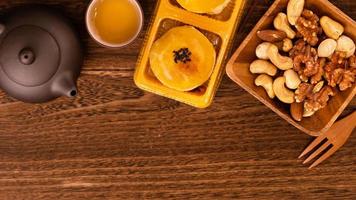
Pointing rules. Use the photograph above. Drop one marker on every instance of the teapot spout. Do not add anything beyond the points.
(65, 86)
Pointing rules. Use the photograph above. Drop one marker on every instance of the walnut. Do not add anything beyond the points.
(303, 91)
(342, 77)
(311, 67)
(352, 65)
(319, 75)
(348, 78)
(334, 77)
(308, 26)
(345, 75)
(319, 100)
(306, 63)
(329, 67)
(340, 71)
(298, 48)
(338, 59)
(352, 62)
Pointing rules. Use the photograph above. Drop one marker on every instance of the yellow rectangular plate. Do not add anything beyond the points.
(219, 29)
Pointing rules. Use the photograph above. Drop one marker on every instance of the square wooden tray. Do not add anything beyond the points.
(238, 68)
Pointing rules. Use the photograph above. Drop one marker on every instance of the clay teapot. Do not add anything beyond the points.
(40, 54)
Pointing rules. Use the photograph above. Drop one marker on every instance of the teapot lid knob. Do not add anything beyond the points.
(27, 56)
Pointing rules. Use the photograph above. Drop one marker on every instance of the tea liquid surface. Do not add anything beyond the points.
(116, 21)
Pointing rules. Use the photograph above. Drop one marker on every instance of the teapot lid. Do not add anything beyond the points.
(29, 55)
(37, 48)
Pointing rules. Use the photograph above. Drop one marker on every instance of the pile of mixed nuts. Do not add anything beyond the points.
(304, 60)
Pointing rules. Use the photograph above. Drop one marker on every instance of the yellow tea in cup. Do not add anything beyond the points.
(114, 23)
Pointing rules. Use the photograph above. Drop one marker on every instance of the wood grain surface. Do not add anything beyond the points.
(115, 141)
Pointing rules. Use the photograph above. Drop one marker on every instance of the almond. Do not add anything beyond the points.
(271, 35)
(296, 110)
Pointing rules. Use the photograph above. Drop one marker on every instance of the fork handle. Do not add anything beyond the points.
(352, 119)
(346, 124)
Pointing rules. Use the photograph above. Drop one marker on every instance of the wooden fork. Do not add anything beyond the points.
(336, 136)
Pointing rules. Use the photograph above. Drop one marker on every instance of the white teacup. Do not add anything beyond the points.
(94, 32)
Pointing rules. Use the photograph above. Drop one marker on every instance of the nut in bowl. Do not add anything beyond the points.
(305, 55)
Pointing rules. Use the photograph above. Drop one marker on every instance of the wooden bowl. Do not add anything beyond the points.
(238, 68)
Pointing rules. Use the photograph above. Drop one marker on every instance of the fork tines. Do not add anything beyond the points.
(322, 148)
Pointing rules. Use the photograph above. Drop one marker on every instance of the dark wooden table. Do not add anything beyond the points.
(116, 141)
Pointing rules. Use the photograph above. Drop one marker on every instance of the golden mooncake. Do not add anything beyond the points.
(183, 58)
(204, 6)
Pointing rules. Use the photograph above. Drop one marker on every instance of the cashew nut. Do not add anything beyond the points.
(263, 67)
(327, 48)
(294, 10)
(267, 83)
(282, 62)
(261, 50)
(347, 45)
(282, 93)
(286, 45)
(292, 79)
(331, 28)
(281, 23)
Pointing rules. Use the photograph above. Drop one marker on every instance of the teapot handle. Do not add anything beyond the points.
(2, 28)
